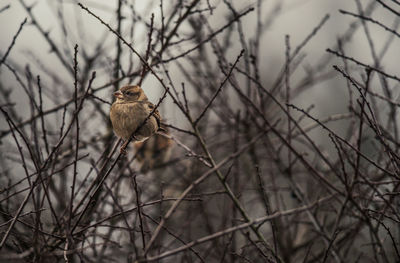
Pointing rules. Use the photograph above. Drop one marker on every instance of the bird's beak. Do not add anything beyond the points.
(118, 94)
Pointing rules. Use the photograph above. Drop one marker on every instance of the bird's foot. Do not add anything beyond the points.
(123, 150)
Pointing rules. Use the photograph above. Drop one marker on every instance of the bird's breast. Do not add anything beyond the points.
(126, 118)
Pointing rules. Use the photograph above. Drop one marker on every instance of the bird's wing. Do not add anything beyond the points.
(156, 113)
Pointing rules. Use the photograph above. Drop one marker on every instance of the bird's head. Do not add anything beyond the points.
(130, 93)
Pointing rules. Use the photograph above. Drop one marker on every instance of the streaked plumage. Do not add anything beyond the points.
(130, 110)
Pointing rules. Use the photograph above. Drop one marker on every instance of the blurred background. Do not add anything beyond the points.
(68, 177)
(67, 24)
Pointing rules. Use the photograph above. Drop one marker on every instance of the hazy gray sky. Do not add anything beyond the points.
(294, 18)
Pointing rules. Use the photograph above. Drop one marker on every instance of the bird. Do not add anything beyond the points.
(130, 115)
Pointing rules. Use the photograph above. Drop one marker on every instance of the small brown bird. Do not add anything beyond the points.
(129, 112)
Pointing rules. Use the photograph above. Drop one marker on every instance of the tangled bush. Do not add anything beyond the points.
(250, 170)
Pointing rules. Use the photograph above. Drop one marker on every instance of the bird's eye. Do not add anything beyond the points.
(131, 94)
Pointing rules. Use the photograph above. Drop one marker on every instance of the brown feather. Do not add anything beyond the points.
(129, 112)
